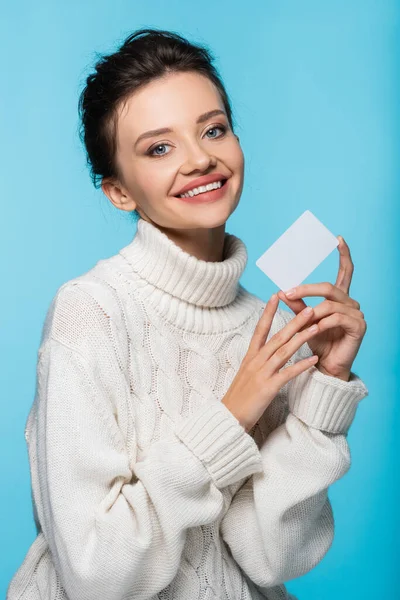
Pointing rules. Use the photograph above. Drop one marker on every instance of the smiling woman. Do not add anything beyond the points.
(157, 122)
(169, 459)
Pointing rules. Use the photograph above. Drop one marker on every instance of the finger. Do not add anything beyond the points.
(263, 327)
(284, 353)
(326, 290)
(353, 327)
(287, 373)
(295, 305)
(346, 267)
(280, 338)
(328, 307)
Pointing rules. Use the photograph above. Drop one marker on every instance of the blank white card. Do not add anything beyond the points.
(297, 252)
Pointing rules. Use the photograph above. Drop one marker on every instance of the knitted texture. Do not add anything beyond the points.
(144, 484)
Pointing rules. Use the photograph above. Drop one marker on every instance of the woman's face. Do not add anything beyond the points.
(154, 169)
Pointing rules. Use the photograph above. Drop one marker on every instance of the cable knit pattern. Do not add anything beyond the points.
(144, 485)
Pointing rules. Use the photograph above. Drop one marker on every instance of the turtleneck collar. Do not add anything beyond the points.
(163, 264)
(193, 295)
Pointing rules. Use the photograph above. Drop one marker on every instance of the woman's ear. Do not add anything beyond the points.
(237, 137)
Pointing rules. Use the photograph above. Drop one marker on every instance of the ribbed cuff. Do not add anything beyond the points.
(217, 438)
(324, 402)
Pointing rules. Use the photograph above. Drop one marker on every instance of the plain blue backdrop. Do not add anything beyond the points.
(314, 87)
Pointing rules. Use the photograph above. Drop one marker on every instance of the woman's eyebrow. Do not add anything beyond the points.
(201, 119)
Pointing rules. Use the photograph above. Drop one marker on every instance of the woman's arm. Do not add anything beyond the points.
(116, 528)
(280, 522)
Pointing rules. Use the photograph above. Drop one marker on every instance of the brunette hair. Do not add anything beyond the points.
(145, 55)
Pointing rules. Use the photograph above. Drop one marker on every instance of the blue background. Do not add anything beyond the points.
(314, 89)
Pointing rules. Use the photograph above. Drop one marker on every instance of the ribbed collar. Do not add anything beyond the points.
(192, 295)
(163, 264)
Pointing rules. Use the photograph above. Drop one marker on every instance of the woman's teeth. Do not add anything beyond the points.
(201, 189)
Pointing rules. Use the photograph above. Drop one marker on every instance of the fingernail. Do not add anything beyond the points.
(290, 293)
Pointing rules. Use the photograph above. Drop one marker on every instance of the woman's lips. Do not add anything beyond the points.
(210, 196)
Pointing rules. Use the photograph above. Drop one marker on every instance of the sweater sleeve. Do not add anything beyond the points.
(280, 522)
(111, 521)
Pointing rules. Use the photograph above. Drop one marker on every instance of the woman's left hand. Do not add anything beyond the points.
(341, 323)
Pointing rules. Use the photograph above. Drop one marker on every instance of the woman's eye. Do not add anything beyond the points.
(152, 151)
(223, 129)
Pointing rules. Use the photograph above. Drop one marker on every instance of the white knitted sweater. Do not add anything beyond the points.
(144, 484)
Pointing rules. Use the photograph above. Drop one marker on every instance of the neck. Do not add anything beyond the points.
(204, 244)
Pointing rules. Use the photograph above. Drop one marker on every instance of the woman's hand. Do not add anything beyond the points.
(341, 324)
(261, 374)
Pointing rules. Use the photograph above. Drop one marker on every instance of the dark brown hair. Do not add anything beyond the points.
(145, 55)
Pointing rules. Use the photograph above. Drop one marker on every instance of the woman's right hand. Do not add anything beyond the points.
(258, 379)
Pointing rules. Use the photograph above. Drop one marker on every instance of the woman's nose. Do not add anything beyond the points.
(198, 157)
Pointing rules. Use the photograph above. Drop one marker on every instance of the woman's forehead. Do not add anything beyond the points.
(173, 102)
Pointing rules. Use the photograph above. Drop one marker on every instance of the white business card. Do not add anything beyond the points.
(297, 252)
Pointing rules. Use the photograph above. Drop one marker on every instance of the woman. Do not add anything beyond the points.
(171, 454)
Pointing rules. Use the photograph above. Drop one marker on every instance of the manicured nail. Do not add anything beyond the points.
(290, 293)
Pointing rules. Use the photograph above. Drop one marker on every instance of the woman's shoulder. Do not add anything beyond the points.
(85, 311)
